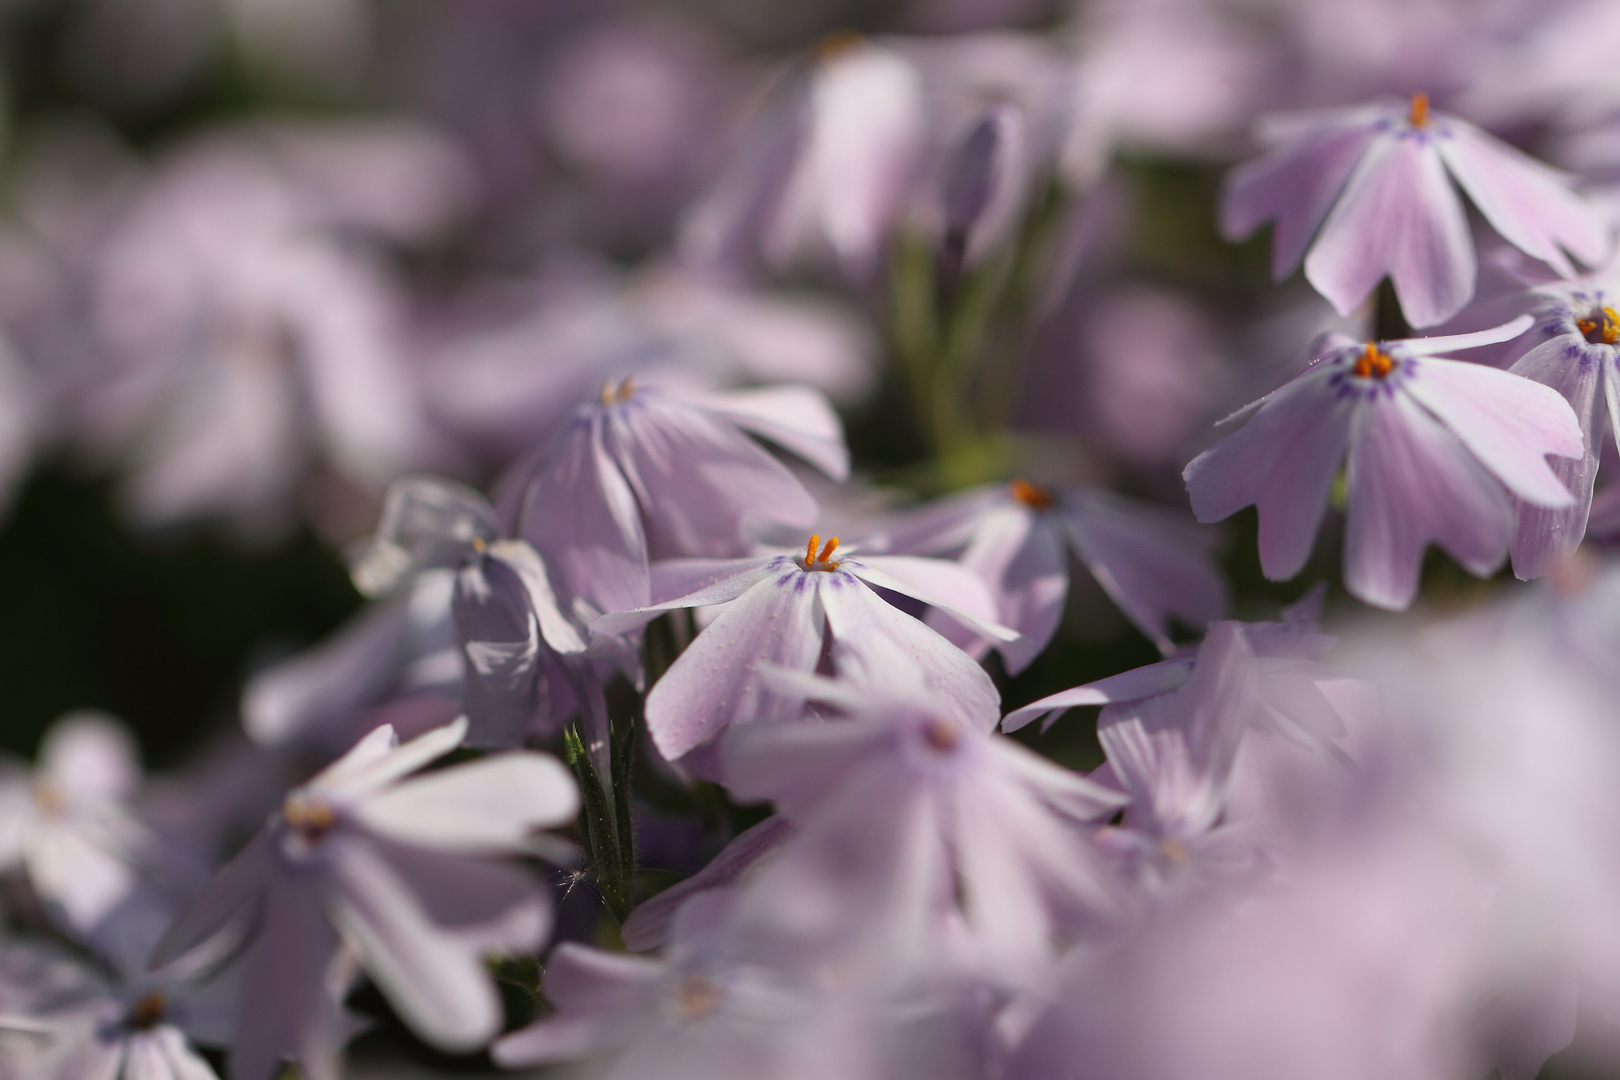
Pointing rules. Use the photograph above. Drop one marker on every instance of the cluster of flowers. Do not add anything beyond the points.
(1400, 862)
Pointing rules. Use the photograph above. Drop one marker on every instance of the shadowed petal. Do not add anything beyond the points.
(1131, 685)
(1023, 560)
(796, 418)
(1545, 535)
(240, 884)
(948, 586)
(288, 1008)
(649, 924)
(486, 807)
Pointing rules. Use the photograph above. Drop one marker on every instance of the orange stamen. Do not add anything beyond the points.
(1031, 495)
(1374, 363)
(810, 548)
(1419, 115)
(615, 392)
(1602, 328)
(822, 561)
(826, 552)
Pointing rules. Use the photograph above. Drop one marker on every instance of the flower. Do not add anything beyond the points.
(782, 610)
(364, 863)
(1436, 446)
(1014, 536)
(641, 475)
(1375, 180)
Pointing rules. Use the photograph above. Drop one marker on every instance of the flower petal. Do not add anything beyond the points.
(1544, 535)
(222, 901)
(484, 807)
(948, 586)
(1142, 682)
(796, 418)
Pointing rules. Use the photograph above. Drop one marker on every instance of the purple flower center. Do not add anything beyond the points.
(309, 818)
(1031, 495)
(824, 560)
(1373, 363)
(1601, 327)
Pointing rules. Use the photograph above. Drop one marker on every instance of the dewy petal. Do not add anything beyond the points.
(1411, 482)
(1150, 562)
(855, 615)
(1283, 462)
(796, 418)
(699, 480)
(1544, 535)
(483, 807)
(581, 515)
(1398, 216)
(1142, 682)
(1295, 186)
(1508, 422)
(715, 682)
(437, 983)
(948, 586)
(1530, 204)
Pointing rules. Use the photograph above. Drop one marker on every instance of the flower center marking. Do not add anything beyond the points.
(148, 1012)
(1602, 327)
(1419, 113)
(1373, 363)
(1031, 495)
(942, 734)
(823, 561)
(615, 392)
(309, 818)
(696, 997)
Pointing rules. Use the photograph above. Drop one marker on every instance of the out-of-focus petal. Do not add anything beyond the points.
(90, 758)
(482, 807)
(1142, 682)
(1544, 535)
(796, 418)
(649, 924)
(222, 901)
(288, 1007)
(426, 522)
(1026, 565)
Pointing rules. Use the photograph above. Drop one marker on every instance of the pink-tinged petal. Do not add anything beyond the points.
(367, 775)
(1530, 204)
(1151, 561)
(715, 682)
(649, 924)
(1450, 343)
(856, 615)
(700, 481)
(699, 583)
(1283, 462)
(1544, 535)
(90, 758)
(1412, 482)
(581, 515)
(437, 983)
(947, 586)
(1142, 682)
(1398, 216)
(1026, 565)
(228, 898)
(289, 1007)
(797, 418)
(483, 807)
(1294, 186)
(1508, 422)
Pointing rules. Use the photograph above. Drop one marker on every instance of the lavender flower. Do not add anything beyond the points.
(1017, 538)
(1436, 447)
(1374, 179)
(782, 610)
(363, 863)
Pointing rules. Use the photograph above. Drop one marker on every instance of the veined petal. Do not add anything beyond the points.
(1399, 217)
(951, 588)
(796, 418)
(1530, 204)
(438, 984)
(1149, 561)
(1142, 682)
(1282, 462)
(581, 515)
(1509, 423)
(1411, 482)
(710, 581)
(855, 615)
(715, 682)
(483, 807)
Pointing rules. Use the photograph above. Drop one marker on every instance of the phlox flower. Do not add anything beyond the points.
(642, 475)
(365, 863)
(784, 610)
(1373, 186)
(1436, 448)
(1018, 537)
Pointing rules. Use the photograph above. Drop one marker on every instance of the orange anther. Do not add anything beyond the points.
(810, 548)
(1602, 327)
(826, 552)
(1031, 495)
(1419, 114)
(1373, 363)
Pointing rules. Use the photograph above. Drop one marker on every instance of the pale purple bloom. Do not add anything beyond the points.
(784, 610)
(70, 821)
(641, 475)
(368, 864)
(1018, 537)
(1436, 447)
(1572, 348)
(1373, 186)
